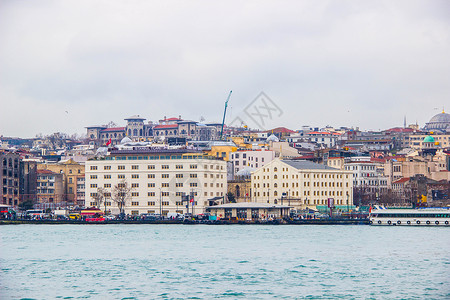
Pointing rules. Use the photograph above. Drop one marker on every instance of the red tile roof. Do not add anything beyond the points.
(114, 129)
(280, 130)
(169, 126)
(45, 172)
(401, 180)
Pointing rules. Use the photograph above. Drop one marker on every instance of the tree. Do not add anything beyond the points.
(100, 198)
(231, 198)
(121, 192)
(26, 205)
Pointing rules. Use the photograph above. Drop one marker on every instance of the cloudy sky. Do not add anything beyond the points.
(69, 64)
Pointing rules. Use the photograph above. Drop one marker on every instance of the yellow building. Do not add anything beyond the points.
(221, 149)
(71, 171)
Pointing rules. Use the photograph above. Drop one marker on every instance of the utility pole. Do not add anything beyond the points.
(160, 203)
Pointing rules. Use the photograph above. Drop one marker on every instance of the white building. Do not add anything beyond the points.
(367, 174)
(250, 158)
(301, 184)
(158, 178)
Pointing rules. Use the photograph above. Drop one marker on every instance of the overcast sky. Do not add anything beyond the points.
(68, 64)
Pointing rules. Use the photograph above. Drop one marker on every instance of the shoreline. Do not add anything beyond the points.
(195, 222)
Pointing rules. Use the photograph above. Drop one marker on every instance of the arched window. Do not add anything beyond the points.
(275, 177)
(275, 193)
(275, 169)
(238, 192)
(129, 132)
(275, 185)
(140, 132)
(135, 132)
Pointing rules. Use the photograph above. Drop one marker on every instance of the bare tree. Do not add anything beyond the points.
(120, 194)
(100, 198)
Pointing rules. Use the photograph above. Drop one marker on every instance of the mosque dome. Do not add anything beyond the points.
(440, 122)
(428, 139)
(245, 172)
(272, 138)
(126, 140)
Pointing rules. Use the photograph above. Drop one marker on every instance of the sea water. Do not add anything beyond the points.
(234, 262)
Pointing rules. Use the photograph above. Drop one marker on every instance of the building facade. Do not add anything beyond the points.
(301, 184)
(158, 179)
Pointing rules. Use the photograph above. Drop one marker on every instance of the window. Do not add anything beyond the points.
(121, 167)
(93, 167)
(151, 184)
(151, 203)
(134, 203)
(165, 194)
(179, 167)
(93, 185)
(107, 185)
(135, 185)
(135, 167)
(135, 194)
(121, 176)
(179, 184)
(165, 167)
(193, 184)
(165, 203)
(193, 166)
(135, 176)
(106, 167)
(151, 194)
(151, 175)
(164, 184)
(107, 176)
(93, 176)
(179, 175)
(193, 175)
(165, 176)
(151, 167)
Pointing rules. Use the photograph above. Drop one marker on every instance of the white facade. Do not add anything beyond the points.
(367, 174)
(253, 159)
(301, 183)
(158, 180)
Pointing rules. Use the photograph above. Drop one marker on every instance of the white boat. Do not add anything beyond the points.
(410, 217)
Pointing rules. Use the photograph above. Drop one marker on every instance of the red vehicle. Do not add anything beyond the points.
(92, 214)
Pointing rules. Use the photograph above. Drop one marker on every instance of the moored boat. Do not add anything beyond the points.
(439, 216)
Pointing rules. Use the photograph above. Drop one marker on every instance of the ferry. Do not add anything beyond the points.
(380, 215)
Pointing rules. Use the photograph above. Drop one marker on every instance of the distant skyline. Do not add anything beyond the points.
(69, 64)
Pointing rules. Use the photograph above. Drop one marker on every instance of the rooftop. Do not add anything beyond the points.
(306, 165)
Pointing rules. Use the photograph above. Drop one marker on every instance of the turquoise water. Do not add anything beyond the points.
(235, 262)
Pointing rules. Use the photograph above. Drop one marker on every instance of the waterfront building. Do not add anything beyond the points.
(71, 171)
(9, 178)
(50, 189)
(158, 179)
(368, 174)
(301, 184)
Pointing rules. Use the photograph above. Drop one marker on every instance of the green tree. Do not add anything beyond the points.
(26, 205)
(231, 198)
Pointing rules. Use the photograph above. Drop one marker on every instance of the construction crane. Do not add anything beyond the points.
(224, 113)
